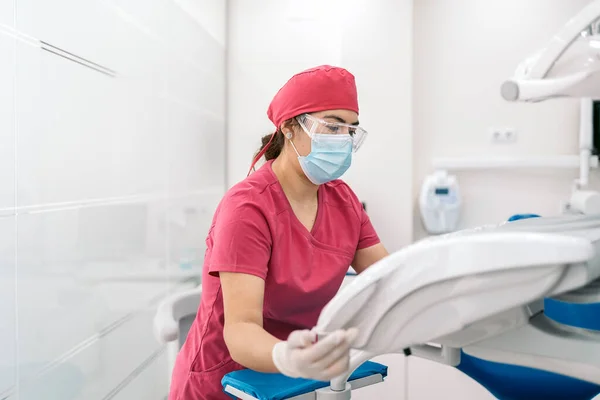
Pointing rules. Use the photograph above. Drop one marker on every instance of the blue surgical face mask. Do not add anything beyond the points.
(329, 158)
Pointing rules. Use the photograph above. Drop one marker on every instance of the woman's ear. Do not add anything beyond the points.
(289, 125)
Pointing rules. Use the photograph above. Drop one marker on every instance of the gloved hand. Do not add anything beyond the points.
(301, 356)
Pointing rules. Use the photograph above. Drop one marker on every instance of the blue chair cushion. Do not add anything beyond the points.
(265, 386)
(512, 382)
(579, 315)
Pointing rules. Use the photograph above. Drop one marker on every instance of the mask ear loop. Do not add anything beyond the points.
(260, 154)
(289, 137)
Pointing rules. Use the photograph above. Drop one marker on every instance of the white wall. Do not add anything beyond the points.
(463, 50)
(270, 40)
(96, 168)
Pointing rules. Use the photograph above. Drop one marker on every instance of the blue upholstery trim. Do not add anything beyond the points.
(278, 387)
(580, 315)
(517, 217)
(512, 382)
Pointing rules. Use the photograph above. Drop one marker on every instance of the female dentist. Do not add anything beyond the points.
(280, 244)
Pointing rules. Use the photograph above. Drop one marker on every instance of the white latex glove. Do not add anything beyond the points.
(301, 357)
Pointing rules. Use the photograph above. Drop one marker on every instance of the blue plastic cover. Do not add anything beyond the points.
(265, 386)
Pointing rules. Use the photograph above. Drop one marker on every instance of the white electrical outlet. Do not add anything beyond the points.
(503, 135)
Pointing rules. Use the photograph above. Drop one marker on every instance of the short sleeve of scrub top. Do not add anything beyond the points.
(368, 235)
(242, 243)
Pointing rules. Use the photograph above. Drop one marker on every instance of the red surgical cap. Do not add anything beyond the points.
(316, 89)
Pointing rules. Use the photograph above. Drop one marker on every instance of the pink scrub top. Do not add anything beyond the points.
(254, 231)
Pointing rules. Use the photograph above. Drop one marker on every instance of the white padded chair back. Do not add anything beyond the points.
(438, 287)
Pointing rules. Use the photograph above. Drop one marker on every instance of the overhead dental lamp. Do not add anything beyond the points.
(568, 66)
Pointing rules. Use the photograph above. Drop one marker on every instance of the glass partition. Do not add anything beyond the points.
(112, 161)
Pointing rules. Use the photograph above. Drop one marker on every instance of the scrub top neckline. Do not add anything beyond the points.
(320, 202)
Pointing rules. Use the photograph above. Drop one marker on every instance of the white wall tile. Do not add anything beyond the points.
(188, 230)
(172, 20)
(66, 136)
(198, 87)
(62, 254)
(132, 48)
(146, 13)
(54, 23)
(169, 21)
(55, 313)
(141, 137)
(201, 51)
(209, 14)
(115, 368)
(213, 151)
(102, 33)
(115, 233)
(8, 361)
(8, 351)
(7, 122)
(196, 149)
(151, 384)
(93, 372)
(64, 382)
(7, 11)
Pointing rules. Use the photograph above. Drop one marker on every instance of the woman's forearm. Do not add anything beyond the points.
(251, 346)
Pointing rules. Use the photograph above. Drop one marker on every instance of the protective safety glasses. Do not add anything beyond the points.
(314, 127)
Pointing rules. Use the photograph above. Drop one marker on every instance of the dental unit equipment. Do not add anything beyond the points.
(515, 306)
(439, 202)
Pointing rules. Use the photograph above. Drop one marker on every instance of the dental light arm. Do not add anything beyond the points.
(542, 76)
(568, 66)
